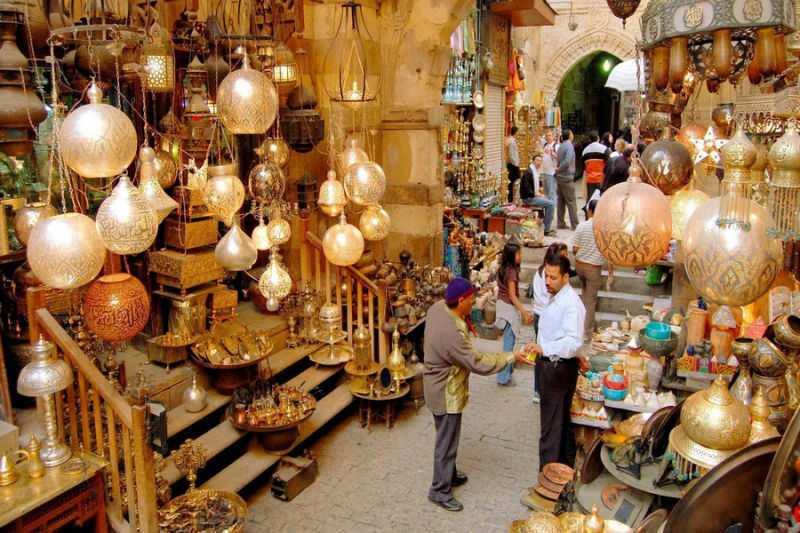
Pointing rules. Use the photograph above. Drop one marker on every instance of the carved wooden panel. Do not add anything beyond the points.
(497, 39)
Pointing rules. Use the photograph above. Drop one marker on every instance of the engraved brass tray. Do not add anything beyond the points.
(189, 512)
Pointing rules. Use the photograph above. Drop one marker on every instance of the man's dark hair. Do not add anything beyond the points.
(565, 134)
(591, 206)
(593, 136)
(560, 261)
(514, 130)
(628, 153)
(556, 248)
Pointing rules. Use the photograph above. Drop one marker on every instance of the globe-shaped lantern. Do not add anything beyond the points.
(667, 165)
(331, 196)
(730, 262)
(364, 183)
(260, 236)
(276, 150)
(28, 215)
(351, 154)
(96, 139)
(125, 220)
(682, 204)
(342, 243)
(275, 283)
(65, 251)
(374, 223)
(278, 230)
(117, 307)
(247, 101)
(166, 169)
(266, 182)
(632, 222)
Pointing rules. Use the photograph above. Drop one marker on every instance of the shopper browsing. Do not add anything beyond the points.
(509, 308)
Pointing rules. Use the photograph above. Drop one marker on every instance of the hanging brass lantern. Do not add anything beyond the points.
(26, 218)
(125, 220)
(623, 9)
(247, 101)
(632, 222)
(342, 243)
(117, 307)
(374, 223)
(96, 139)
(235, 251)
(166, 169)
(301, 124)
(261, 236)
(364, 183)
(729, 261)
(266, 182)
(284, 70)
(158, 61)
(65, 251)
(784, 187)
(682, 204)
(149, 186)
(667, 164)
(351, 70)
(274, 149)
(331, 196)
(224, 192)
(738, 156)
(278, 230)
(349, 156)
(275, 283)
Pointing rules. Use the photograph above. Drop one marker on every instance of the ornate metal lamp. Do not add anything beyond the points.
(44, 376)
(158, 61)
(351, 66)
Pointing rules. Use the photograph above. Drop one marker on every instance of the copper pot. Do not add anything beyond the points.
(767, 360)
(787, 331)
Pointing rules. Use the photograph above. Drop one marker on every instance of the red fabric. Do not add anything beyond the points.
(593, 170)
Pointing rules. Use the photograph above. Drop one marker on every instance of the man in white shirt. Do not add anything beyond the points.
(549, 165)
(589, 265)
(559, 339)
(531, 194)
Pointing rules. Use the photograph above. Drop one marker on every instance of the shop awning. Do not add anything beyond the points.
(623, 76)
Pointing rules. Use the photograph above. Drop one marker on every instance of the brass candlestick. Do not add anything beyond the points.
(189, 458)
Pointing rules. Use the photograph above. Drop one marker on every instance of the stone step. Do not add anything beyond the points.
(625, 280)
(256, 460)
(224, 434)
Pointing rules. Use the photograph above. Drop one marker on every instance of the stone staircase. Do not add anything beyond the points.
(235, 458)
(628, 294)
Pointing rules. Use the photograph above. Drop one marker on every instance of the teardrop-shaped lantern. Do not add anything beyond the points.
(261, 236)
(162, 203)
(247, 101)
(236, 251)
(351, 154)
(266, 182)
(224, 192)
(275, 282)
(125, 220)
(65, 251)
(331, 196)
(342, 243)
(365, 183)
(374, 223)
(97, 139)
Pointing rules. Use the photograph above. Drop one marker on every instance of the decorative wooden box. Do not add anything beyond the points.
(184, 270)
(190, 202)
(224, 299)
(187, 234)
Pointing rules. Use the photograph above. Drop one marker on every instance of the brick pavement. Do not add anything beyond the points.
(377, 480)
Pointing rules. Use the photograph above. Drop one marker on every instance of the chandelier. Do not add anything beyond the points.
(716, 40)
(351, 65)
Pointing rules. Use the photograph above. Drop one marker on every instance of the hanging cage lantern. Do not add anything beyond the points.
(158, 62)
(784, 187)
(351, 68)
(284, 69)
(301, 124)
(275, 283)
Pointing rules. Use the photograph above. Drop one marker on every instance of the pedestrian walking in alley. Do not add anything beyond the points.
(565, 180)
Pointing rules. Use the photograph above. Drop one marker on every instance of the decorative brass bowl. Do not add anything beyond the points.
(787, 331)
(194, 510)
(767, 359)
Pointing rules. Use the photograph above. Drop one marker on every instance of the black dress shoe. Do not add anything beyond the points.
(459, 479)
(450, 505)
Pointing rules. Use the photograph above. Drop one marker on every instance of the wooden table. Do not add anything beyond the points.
(58, 498)
(481, 214)
(366, 413)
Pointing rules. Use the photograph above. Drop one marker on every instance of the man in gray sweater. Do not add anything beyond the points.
(565, 180)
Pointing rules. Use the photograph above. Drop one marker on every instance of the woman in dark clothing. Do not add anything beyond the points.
(618, 170)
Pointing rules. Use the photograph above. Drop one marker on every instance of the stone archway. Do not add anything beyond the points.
(619, 44)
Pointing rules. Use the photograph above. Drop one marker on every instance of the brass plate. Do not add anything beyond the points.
(342, 353)
(353, 369)
(201, 497)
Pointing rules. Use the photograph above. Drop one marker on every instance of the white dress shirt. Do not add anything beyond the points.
(561, 325)
(541, 296)
(535, 173)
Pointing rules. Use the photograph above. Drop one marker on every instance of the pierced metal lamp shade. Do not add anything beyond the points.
(45, 374)
(331, 196)
(125, 220)
(65, 251)
(235, 251)
(247, 101)
(364, 183)
(117, 307)
(97, 139)
(342, 243)
(275, 282)
(151, 189)
(26, 218)
(375, 223)
(224, 192)
(266, 182)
